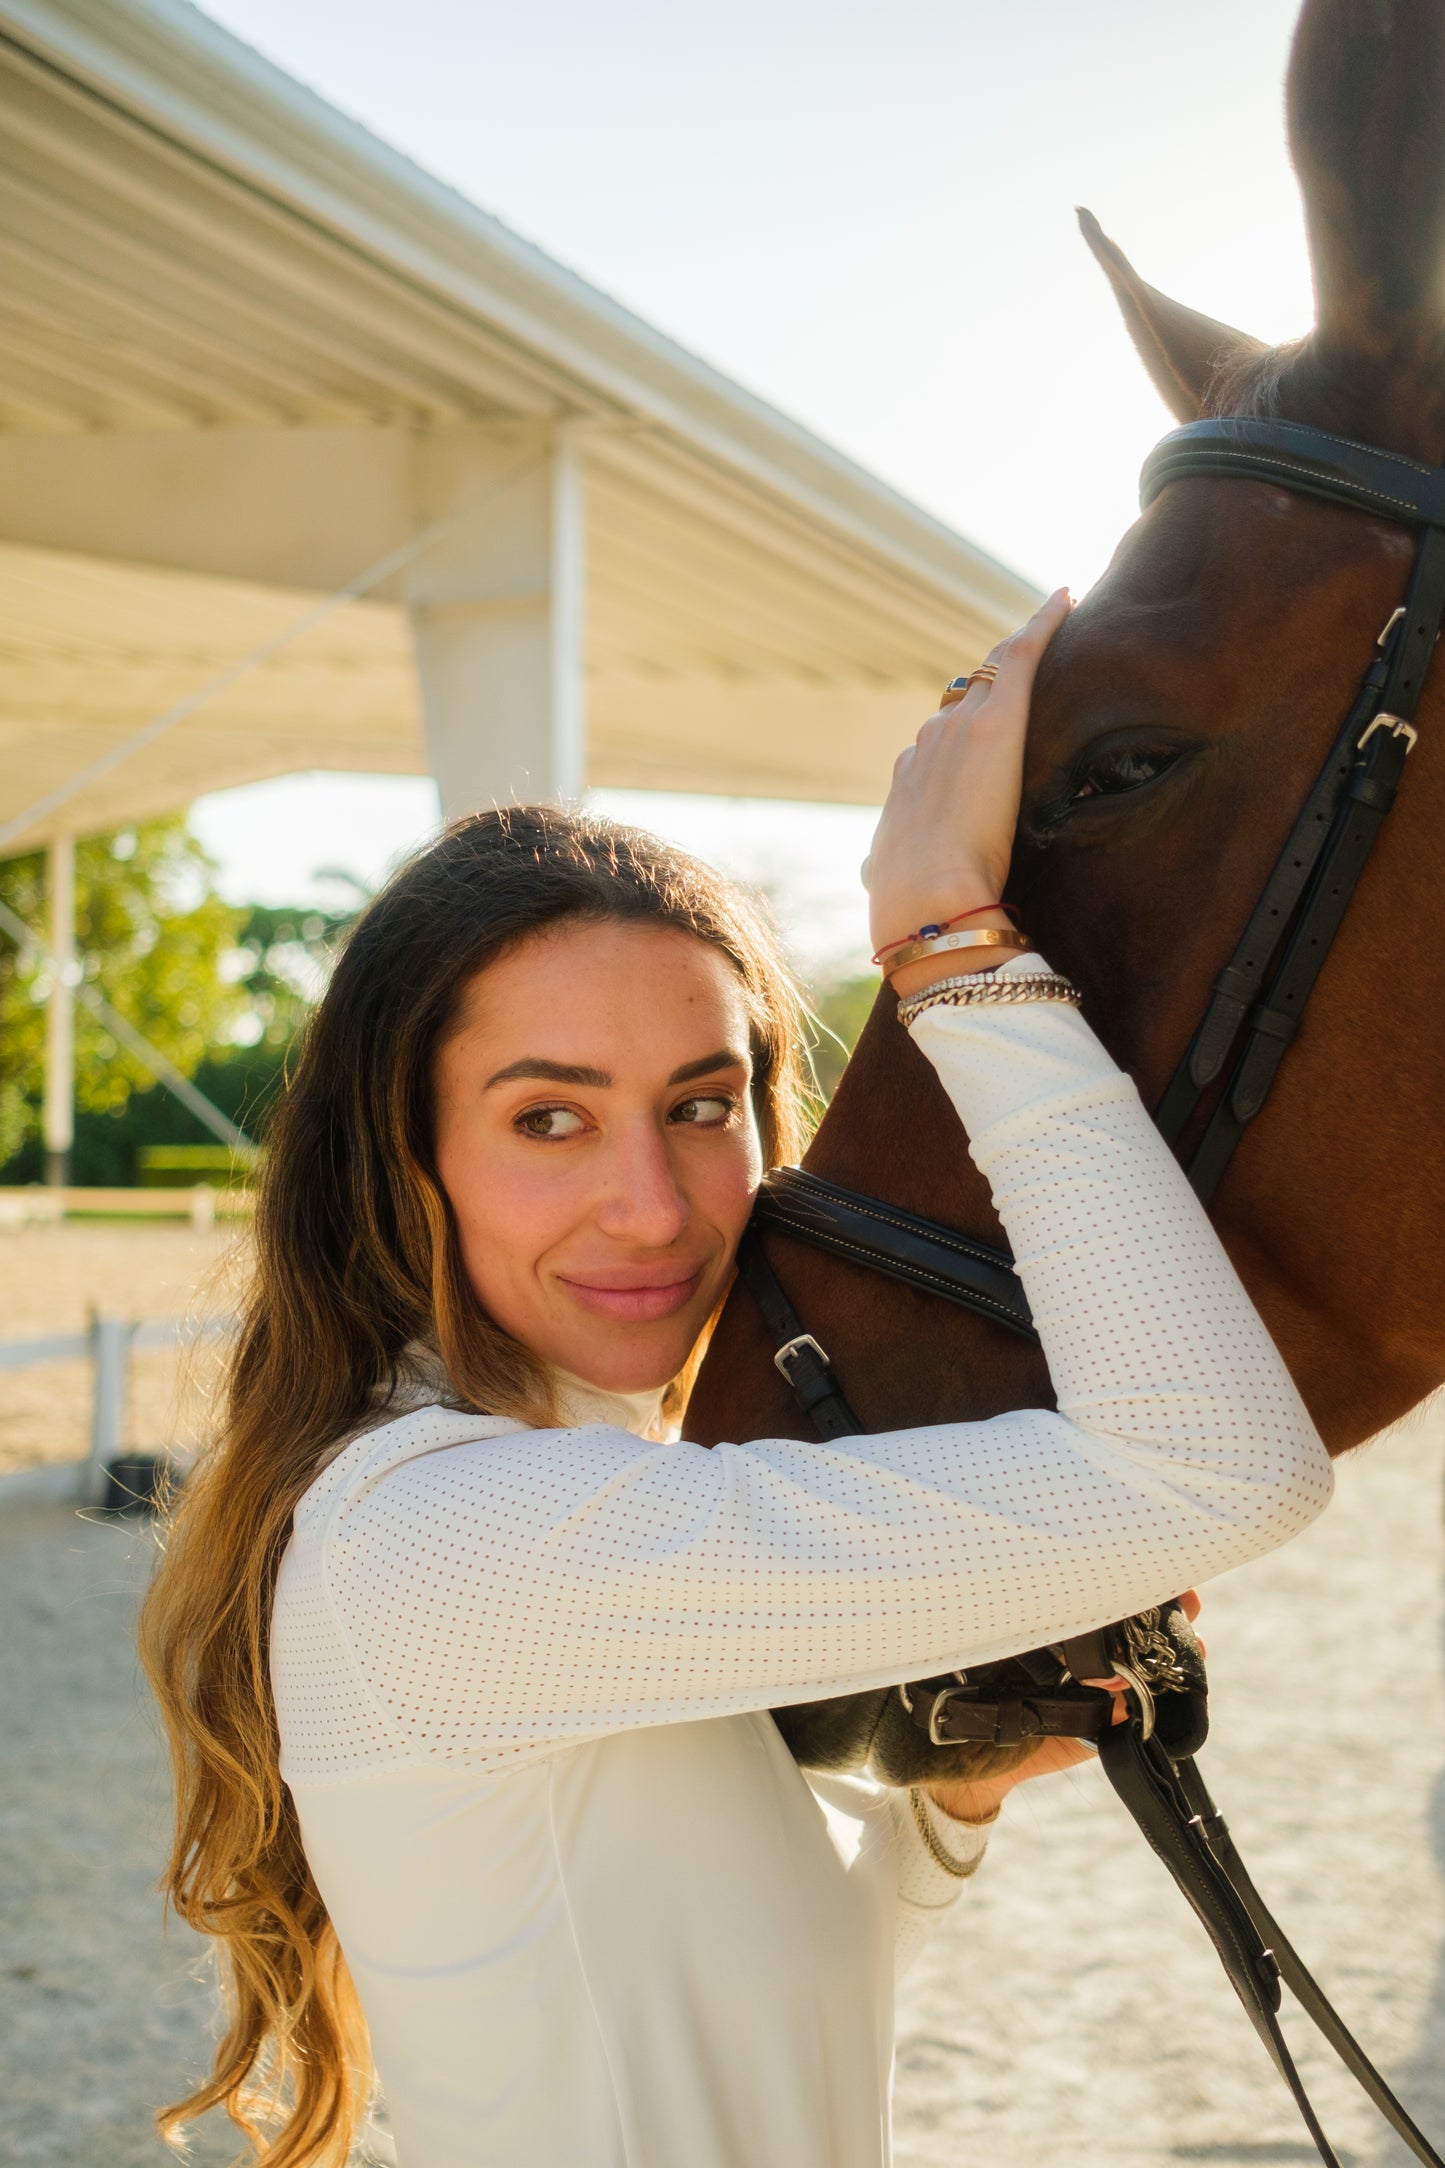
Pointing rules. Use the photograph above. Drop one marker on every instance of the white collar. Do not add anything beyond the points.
(422, 1382)
(641, 1413)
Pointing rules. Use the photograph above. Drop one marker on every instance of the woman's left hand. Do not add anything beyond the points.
(979, 1802)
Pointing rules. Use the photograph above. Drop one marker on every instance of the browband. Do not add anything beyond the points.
(1303, 459)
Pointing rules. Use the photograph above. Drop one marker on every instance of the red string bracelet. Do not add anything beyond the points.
(926, 933)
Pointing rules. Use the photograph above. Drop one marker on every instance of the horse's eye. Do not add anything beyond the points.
(1125, 768)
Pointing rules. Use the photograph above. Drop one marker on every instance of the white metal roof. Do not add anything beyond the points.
(194, 246)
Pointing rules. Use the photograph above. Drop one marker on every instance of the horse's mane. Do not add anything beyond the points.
(1249, 382)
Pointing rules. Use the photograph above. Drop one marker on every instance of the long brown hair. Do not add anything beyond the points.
(356, 1256)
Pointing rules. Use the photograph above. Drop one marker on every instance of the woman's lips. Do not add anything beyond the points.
(638, 1304)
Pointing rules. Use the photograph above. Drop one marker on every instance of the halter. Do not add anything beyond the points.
(1254, 1013)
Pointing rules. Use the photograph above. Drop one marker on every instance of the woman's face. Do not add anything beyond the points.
(595, 1134)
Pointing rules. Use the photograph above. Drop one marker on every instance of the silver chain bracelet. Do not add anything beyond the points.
(977, 989)
(960, 1869)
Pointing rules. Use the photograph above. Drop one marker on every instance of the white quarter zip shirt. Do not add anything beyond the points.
(595, 1915)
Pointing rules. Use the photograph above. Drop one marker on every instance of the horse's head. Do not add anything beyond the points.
(1185, 710)
(1180, 719)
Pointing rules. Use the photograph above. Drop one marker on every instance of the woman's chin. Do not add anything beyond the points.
(653, 1361)
(625, 1377)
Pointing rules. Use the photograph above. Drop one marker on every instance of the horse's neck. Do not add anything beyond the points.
(923, 1359)
(1334, 1212)
(903, 1358)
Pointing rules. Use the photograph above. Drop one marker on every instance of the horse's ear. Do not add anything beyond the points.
(1182, 350)
(1366, 96)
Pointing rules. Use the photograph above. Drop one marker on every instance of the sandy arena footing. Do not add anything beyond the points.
(1070, 2014)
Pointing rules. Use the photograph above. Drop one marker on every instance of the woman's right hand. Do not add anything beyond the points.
(946, 836)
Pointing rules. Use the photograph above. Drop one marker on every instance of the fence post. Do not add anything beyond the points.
(110, 1343)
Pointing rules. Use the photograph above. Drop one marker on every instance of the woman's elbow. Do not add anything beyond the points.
(1305, 1482)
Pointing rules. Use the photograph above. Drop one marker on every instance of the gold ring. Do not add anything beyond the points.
(955, 689)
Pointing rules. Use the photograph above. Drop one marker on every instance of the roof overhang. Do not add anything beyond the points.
(201, 260)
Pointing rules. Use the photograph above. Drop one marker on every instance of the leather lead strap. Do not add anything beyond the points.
(1171, 1805)
(1300, 1982)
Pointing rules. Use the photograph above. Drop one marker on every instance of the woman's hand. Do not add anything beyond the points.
(946, 836)
(980, 1802)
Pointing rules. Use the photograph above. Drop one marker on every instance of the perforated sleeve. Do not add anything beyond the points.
(878, 1837)
(496, 1595)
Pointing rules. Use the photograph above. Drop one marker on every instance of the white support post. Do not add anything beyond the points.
(59, 1114)
(568, 683)
(498, 615)
(110, 1339)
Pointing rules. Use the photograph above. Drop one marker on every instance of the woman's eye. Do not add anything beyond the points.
(1109, 775)
(709, 1113)
(550, 1122)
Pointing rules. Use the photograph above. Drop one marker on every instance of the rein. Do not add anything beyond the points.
(1256, 1006)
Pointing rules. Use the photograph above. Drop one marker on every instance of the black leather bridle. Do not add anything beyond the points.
(1253, 1014)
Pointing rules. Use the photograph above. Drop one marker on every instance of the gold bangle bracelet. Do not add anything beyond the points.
(947, 944)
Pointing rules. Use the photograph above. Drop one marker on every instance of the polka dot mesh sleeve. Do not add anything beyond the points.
(460, 1591)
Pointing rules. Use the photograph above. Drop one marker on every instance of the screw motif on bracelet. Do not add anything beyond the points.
(945, 944)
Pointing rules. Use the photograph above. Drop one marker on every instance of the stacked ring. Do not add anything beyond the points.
(955, 689)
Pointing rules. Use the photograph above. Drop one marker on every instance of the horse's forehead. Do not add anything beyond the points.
(1201, 533)
(1213, 561)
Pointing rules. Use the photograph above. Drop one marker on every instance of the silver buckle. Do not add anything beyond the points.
(1397, 727)
(940, 1705)
(1142, 1692)
(790, 1348)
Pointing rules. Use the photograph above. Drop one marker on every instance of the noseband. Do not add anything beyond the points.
(1253, 1014)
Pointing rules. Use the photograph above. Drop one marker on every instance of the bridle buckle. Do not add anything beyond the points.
(790, 1348)
(936, 1713)
(1397, 727)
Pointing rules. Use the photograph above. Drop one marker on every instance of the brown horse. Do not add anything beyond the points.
(1180, 719)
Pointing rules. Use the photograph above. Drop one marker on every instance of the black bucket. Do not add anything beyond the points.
(137, 1483)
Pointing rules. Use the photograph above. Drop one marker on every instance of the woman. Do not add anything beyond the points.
(466, 1666)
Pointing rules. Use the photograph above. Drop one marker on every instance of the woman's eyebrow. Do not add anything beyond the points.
(570, 1072)
(550, 1072)
(725, 1058)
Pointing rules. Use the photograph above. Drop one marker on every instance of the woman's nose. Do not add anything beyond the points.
(643, 1202)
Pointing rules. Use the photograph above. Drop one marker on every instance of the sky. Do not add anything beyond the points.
(863, 212)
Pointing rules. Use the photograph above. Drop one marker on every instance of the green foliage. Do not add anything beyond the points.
(842, 1010)
(152, 936)
(241, 1080)
(288, 954)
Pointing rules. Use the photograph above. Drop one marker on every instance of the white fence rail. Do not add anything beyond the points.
(108, 1344)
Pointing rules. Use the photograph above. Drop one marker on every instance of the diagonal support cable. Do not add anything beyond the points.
(161, 1067)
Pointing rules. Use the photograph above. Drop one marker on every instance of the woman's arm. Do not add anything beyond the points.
(546, 1586)
(498, 1593)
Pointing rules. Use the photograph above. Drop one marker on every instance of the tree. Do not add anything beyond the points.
(153, 936)
(841, 1010)
(288, 951)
